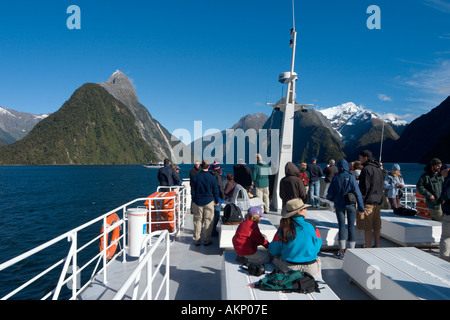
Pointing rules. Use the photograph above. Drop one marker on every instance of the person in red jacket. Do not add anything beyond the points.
(248, 237)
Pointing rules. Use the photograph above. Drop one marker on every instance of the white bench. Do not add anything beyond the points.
(326, 223)
(236, 285)
(410, 231)
(226, 232)
(399, 273)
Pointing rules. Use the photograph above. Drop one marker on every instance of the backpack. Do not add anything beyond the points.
(304, 177)
(292, 281)
(232, 214)
(406, 212)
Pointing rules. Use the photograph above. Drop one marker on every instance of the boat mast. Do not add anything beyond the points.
(288, 106)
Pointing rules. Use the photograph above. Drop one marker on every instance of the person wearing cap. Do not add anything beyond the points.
(371, 184)
(429, 185)
(248, 239)
(444, 245)
(315, 173)
(297, 242)
(393, 184)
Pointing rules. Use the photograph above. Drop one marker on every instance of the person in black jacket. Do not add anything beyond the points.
(243, 175)
(371, 184)
(315, 173)
(167, 176)
(444, 245)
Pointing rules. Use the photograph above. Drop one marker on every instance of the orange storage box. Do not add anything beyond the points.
(162, 210)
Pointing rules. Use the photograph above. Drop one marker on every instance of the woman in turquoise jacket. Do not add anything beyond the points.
(297, 242)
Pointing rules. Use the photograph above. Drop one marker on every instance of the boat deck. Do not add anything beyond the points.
(195, 271)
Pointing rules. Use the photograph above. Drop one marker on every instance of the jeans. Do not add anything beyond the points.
(351, 218)
(314, 190)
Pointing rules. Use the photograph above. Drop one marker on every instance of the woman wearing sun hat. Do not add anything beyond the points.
(297, 242)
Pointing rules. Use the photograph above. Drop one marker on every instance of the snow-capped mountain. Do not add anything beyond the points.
(349, 114)
(15, 125)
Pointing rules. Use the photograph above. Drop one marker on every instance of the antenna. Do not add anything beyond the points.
(293, 15)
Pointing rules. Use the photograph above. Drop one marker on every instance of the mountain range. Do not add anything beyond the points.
(105, 123)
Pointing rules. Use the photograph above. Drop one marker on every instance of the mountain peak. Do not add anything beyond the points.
(120, 86)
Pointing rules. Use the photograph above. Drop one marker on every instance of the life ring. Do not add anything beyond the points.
(115, 235)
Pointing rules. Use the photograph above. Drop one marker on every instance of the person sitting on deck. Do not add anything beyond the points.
(248, 238)
(297, 242)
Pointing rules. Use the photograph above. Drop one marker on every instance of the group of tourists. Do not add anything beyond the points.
(357, 190)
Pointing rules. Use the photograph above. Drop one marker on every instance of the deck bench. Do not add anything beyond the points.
(410, 230)
(404, 273)
(236, 285)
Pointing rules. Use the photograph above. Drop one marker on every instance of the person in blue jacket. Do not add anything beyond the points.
(297, 242)
(341, 184)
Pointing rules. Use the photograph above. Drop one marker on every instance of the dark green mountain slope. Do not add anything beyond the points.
(92, 127)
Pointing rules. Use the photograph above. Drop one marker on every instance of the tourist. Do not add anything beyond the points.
(248, 239)
(304, 176)
(429, 185)
(216, 171)
(167, 176)
(260, 176)
(229, 188)
(315, 173)
(205, 196)
(196, 169)
(341, 184)
(243, 175)
(291, 186)
(329, 172)
(297, 242)
(371, 182)
(355, 168)
(393, 184)
(444, 245)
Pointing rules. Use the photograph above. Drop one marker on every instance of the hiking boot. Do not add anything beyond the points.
(339, 255)
(207, 243)
(197, 242)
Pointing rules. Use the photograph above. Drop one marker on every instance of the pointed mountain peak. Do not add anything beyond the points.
(118, 77)
(121, 87)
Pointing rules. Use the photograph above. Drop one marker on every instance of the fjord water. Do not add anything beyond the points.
(39, 203)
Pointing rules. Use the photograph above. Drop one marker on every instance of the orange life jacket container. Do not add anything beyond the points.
(421, 208)
(162, 210)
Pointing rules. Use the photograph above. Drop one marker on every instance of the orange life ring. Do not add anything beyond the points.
(115, 235)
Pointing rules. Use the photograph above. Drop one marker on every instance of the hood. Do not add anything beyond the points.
(343, 165)
(291, 169)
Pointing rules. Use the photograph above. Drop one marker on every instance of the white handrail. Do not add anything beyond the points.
(74, 250)
(146, 261)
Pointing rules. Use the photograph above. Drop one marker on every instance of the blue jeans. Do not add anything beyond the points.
(351, 218)
(314, 189)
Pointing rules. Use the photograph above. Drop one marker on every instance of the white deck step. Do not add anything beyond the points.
(236, 285)
(410, 231)
(399, 273)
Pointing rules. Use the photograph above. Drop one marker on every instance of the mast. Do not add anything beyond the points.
(288, 106)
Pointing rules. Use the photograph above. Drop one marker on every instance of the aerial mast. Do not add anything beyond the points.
(288, 106)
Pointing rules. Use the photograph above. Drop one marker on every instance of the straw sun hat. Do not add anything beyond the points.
(292, 207)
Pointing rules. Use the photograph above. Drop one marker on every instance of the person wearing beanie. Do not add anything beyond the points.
(444, 244)
(248, 238)
(429, 185)
(393, 184)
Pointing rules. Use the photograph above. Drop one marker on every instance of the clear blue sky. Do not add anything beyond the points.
(217, 60)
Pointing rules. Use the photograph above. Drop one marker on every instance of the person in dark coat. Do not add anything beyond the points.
(341, 184)
(329, 172)
(243, 175)
(315, 173)
(371, 184)
(429, 185)
(205, 196)
(167, 176)
(291, 186)
(196, 169)
(216, 171)
(444, 245)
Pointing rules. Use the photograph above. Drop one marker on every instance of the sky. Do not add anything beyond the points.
(215, 61)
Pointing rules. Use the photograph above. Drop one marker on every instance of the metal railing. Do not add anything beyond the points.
(146, 261)
(70, 274)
